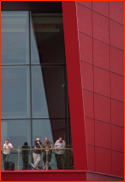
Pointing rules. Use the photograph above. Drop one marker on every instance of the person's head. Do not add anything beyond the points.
(38, 140)
(25, 143)
(60, 139)
(46, 140)
(7, 141)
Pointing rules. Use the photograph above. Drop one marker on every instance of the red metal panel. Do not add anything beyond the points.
(85, 3)
(116, 60)
(117, 11)
(90, 176)
(103, 160)
(101, 54)
(87, 75)
(117, 87)
(84, 19)
(88, 103)
(117, 112)
(102, 134)
(74, 84)
(117, 163)
(118, 138)
(101, 7)
(116, 34)
(101, 81)
(85, 47)
(102, 108)
(39, 175)
(91, 157)
(100, 27)
(89, 130)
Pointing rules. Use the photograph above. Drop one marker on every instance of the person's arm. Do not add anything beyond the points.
(43, 146)
(40, 145)
(4, 146)
(64, 145)
(11, 147)
(55, 146)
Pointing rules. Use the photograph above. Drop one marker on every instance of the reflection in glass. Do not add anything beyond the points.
(48, 96)
(15, 92)
(47, 39)
(14, 37)
(17, 131)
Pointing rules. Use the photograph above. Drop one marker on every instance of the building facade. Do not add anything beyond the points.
(63, 75)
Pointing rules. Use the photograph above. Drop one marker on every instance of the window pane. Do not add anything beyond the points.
(17, 131)
(47, 40)
(52, 129)
(15, 92)
(14, 37)
(48, 91)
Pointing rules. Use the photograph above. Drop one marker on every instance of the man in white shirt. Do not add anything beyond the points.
(59, 151)
(6, 150)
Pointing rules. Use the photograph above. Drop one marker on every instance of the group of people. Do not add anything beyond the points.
(45, 148)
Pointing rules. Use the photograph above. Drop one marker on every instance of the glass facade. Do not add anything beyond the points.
(34, 93)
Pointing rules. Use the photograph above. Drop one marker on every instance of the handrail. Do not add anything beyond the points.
(40, 149)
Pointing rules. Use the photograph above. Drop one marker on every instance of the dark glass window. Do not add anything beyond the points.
(34, 93)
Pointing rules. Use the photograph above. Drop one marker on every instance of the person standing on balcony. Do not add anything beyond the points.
(47, 145)
(59, 151)
(37, 153)
(7, 147)
(25, 154)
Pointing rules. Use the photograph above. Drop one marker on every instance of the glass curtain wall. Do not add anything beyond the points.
(34, 93)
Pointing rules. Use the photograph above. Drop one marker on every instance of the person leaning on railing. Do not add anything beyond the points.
(59, 151)
(6, 151)
(36, 154)
(47, 145)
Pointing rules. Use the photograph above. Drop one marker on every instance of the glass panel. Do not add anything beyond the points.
(48, 92)
(47, 39)
(17, 131)
(14, 37)
(42, 129)
(15, 92)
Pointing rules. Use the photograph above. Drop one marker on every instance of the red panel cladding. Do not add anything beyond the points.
(101, 177)
(101, 81)
(88, 103)
(100, 27)
(74, 83)
(116, 34)
(117, 112)
(85, 3)
(44, 175)
(101, 54)
(116, 60)
(102, 108)
(91, 157)
(117, 163)
(117, 87)
(103, 160)
(87, 75)
(85, 47)
(101, 7)
(117, 11)
(89, 130)
(118, 138)
(102, 134)
(84, 19)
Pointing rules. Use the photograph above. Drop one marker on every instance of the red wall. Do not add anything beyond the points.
(94, 42)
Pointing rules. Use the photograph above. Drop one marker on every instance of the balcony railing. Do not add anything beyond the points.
(23, 158)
